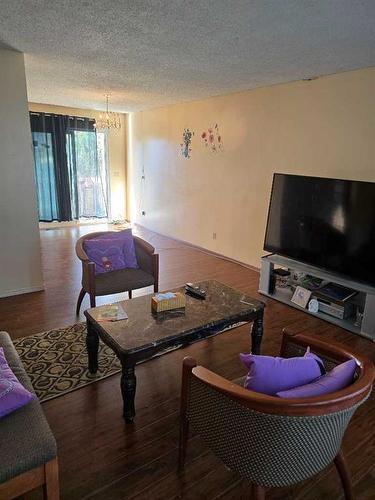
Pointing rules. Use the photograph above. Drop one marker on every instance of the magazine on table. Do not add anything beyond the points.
(112, 312)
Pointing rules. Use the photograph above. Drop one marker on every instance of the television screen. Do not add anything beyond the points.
(328, 223)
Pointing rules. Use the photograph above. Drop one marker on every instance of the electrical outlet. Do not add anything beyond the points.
(143, 212)
(214, 236)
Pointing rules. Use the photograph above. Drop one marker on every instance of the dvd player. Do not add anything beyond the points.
(336, 310)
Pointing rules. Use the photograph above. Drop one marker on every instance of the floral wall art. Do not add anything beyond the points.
(212, 139)
(187, 136)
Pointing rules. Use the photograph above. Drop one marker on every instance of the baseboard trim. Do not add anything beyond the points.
(45, 226)
(201, 249)
(21, 291)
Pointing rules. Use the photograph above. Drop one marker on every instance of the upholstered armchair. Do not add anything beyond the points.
(122, 280)
(272, 441)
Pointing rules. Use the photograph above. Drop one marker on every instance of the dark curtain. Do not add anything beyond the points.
(69, 182)
(45, 175)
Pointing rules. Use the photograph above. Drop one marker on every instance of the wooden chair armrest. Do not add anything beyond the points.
(228, 387)
(88, 276)
(144, 245)
(80, 251)
(147, 259)
(244, 396)
(331, 349)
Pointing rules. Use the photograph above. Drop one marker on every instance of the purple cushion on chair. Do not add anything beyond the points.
(107, 254)
(13, 395)
(126, 236)
(270, 375)
(338, 378)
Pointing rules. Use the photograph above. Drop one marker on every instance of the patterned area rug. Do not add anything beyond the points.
(56, 361)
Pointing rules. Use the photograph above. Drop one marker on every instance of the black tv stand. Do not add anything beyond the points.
(364, 298)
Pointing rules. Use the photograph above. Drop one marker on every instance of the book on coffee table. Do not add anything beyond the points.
(113, 312)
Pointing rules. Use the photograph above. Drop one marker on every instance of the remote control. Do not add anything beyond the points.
(195, 291)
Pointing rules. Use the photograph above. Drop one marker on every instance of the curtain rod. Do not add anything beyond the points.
(58, 114)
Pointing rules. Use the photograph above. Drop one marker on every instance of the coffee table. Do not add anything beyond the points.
(145, 334)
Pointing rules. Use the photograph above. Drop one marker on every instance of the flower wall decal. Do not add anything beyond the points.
(186, 143)
(212, 139)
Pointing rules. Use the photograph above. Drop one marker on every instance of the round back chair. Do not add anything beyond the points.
(122, 280)
(268, 440)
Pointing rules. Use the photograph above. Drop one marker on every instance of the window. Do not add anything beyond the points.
(70, 167)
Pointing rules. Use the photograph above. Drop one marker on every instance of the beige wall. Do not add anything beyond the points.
(325, 127)
(20, 265)
(117, 154)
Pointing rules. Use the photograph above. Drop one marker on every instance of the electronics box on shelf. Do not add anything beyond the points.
(338, 311)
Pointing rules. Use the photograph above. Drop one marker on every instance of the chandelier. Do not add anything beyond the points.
(108, 119)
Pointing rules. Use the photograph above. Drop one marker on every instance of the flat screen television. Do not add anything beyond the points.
(328, 223)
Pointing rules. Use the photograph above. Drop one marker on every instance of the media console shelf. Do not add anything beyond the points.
(365, 298)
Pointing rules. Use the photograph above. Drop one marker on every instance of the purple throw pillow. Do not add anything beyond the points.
(13, 395)
(126, 237)
(338, 378)
(270, 375)
(107, 254)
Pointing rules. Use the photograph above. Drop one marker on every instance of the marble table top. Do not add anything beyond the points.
(144, 329)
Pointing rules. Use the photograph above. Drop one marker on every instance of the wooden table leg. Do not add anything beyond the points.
(92, 344)
(128, 388)
(257, 333)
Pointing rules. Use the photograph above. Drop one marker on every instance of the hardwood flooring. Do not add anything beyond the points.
(103, 458)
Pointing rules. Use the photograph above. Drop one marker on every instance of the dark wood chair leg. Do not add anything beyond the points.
(92, 300)
(51, 485)
(343, 471)
(130, 294)
(81, 295)
(187, 366)
(182, 446)
(91, 284)
(259, 492)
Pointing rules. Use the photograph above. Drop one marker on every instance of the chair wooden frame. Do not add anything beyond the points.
(88, 267)
(46, 475)
(312, 406)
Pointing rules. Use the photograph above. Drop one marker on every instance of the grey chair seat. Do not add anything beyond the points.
(26, 441)
(122, 280)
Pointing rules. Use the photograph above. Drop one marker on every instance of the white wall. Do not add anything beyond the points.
(20, 262)
(324, 127)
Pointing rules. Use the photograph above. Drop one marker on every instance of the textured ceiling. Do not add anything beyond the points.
(153, 53)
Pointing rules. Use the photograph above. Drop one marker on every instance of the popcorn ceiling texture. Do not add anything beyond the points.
(155, 53)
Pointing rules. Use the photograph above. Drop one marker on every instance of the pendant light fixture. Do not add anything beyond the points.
(108, 120)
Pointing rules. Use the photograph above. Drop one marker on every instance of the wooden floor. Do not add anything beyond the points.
(103, 458)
